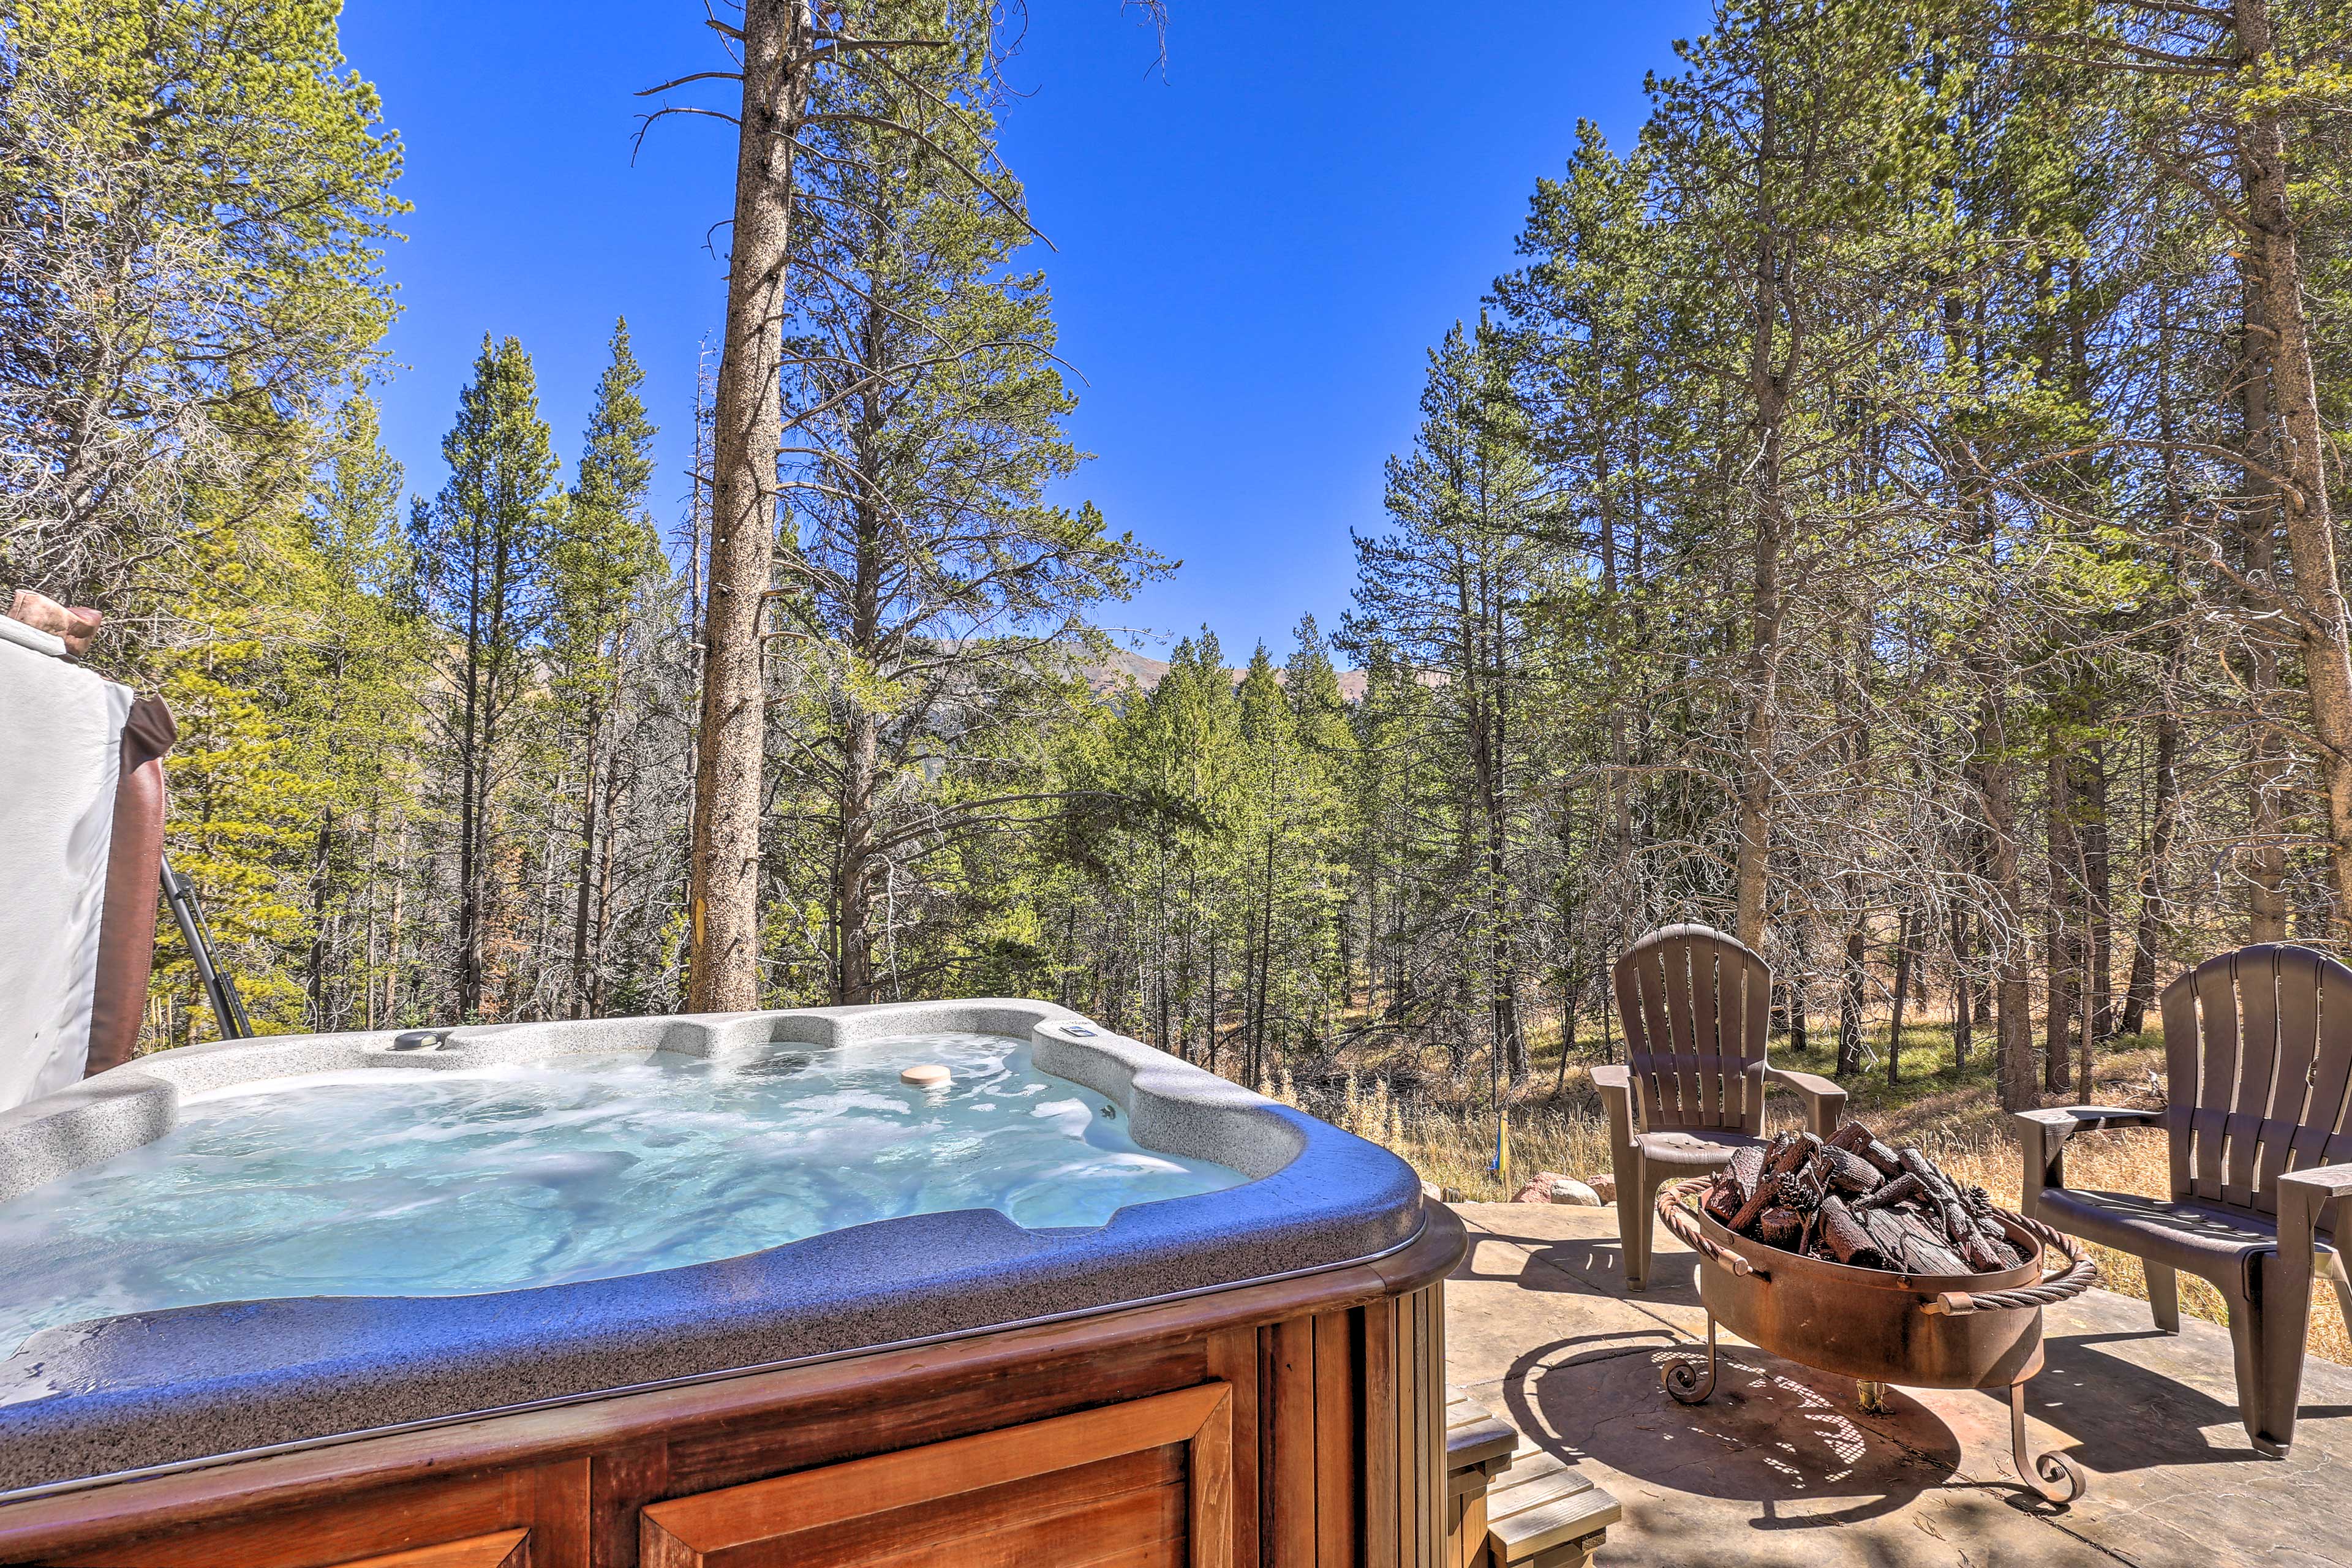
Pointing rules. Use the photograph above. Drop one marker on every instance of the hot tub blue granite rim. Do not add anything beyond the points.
(93, 1401)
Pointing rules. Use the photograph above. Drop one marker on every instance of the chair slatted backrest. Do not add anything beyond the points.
(1696, 1005)
(2257, 1055)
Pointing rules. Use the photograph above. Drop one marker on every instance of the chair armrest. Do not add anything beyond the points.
(2069, 1120)
(1616, 1086)
(2041, 1142)
(2304, 1200)
(1824, 1100)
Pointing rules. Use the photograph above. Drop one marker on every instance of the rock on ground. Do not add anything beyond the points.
(1551, 1187)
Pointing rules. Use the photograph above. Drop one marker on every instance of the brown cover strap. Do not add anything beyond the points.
(134, 867)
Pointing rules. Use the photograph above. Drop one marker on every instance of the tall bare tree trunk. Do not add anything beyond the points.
(853, 892)
(2012, 1004)
(1262, 977)
(1963, 1014)
(392, 928)
(2264, 861)
(1184, 957)
(1850, 997)
(1901, 993)
(2164, 784)
(1768, 389)
(2139, 992)
(1800, 994)
(368, 958)
(583, 894)
(724, 892)
(602, 927)
(2064, 936)
(321, 885)
(469, 826)
(1617, 792)
(1163, 1036)
(2005, 1002)
(1488, 752)
(2098, 891)
(2277, 281)
(1209, 1004)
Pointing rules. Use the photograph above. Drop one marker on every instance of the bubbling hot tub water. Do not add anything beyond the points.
(414, 1182)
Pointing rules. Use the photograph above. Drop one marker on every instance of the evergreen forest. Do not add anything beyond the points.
(1887, 508)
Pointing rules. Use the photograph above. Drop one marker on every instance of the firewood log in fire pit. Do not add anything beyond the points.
(1779, 1225)
(1851, 1199)
(1845, 1238)
(1849, 1173)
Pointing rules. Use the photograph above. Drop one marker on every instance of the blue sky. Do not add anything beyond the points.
(1254, 250)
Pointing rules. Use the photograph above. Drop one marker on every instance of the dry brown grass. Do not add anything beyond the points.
(1456, 1150)
(1951, 1113)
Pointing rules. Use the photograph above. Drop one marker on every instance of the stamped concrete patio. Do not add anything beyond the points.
(1780, 1467)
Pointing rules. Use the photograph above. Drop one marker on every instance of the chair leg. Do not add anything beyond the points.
(1635, 1218)
(2267, 1333)
(2164, 1296)
(2246, 1353)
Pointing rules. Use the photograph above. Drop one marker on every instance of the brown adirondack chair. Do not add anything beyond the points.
(1696, 1006)
(2257, 1052)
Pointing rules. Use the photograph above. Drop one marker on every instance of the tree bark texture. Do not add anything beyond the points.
(1901, 995)
(1768, 389)
(2064, 913)
(2277, 283)
(724, 898)
(2148, 932)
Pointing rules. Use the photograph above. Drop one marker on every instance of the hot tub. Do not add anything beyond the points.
(708, 1289)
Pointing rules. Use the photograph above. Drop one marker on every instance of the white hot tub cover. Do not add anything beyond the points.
(61, 737)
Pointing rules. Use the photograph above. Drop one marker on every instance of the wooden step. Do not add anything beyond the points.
(1544, 1514)
(1478, 1446)
(1508, 1509)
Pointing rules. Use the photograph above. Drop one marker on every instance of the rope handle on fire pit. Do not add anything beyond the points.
(1677, 1217)
(2078, 1276)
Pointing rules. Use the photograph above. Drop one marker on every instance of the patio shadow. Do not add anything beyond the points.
(1768, 1436)
(2135, 1401)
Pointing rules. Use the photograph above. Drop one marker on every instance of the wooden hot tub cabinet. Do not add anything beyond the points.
(1276, 1424)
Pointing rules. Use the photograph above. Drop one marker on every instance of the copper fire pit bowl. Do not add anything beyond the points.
(1876, 1326)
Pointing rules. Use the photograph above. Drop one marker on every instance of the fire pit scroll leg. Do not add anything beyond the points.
(1682, 1375)
(2054, 1476)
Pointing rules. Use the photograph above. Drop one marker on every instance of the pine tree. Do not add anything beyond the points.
(1319, 828)
(932, 587)
(601, 565)
(481, 549)
(804, 67)
(350, 679)
(1447, 594)
(191, 227)
(1270, 743)
(239, 798)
